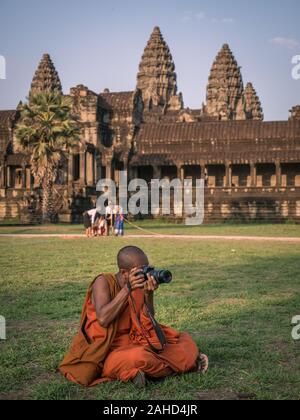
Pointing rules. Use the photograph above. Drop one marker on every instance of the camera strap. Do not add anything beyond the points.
(158, 331)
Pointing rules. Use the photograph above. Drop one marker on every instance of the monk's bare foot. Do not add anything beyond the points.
(203, 364)
(140, 380)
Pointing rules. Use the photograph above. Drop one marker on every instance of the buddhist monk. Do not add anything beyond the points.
(117, 339)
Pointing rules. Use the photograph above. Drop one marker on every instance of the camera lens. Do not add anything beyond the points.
(164, 276)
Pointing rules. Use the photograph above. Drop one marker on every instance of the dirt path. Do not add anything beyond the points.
(158, 236)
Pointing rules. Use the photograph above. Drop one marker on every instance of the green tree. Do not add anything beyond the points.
(47, 131)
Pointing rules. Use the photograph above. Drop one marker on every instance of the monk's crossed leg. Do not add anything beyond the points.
(124, 364)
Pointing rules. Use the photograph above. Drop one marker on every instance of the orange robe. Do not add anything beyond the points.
(127, 350)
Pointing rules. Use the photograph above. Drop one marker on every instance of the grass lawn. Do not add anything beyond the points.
(235, 299)
(164, 227)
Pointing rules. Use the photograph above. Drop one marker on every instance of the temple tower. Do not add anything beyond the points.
(295, 113)
(157, 79)
(252, 104)
(225, 87)
(46, 78)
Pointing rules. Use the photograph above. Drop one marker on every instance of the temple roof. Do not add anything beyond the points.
(6, 122)
(117, 100)
(220, 130)
(218, 141)
(7, 117)
(18, 159)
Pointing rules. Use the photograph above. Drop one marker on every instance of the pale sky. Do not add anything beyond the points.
(100, 43)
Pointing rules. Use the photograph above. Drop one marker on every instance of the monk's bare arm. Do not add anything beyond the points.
(107, 310)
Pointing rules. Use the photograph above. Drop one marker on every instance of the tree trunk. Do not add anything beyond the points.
(47, 203)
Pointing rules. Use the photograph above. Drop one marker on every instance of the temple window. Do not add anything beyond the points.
(169, 172)
(216, 176)
(266, 175)
(291, 175)
(14, 177)
(192, 172)
(241, 176)
(146, 173)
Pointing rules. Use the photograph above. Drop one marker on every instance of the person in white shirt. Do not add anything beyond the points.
(109, 215)
(90, 217)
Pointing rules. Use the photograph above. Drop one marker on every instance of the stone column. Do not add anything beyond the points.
(28, 179)
(96, 169)
(132, 173)
(2, 176)
(253, 174)
(108, 170)
(278, 174)
(156, 172)
(70, 169)
(90, 168)
(203, 170)
(24, 177)
(83, 168)
(228, 175)
(180, 172)
(8, 176)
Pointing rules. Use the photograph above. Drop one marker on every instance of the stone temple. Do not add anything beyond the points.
(251, 168)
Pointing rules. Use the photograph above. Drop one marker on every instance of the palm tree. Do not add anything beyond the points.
(47, 131)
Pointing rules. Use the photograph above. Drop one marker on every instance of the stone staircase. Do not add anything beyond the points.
(9, 210)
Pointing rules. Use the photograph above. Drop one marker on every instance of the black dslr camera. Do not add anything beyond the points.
(160, 276)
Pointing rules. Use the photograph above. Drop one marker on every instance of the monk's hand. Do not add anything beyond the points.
(136, 279)
(151, 284)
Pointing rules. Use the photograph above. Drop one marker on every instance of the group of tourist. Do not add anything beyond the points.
(104, 223)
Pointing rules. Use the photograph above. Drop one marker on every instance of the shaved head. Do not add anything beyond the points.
(131, 257)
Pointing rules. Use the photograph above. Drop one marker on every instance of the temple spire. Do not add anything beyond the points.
(295, 113)
(157, 79)
(225, 86)
(46, 78)
(253, 108)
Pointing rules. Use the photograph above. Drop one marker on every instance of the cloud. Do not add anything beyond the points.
(186, 19)
(228, 20)
(225, 21)
(288, 43)
(189, 16)
(200, 15)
